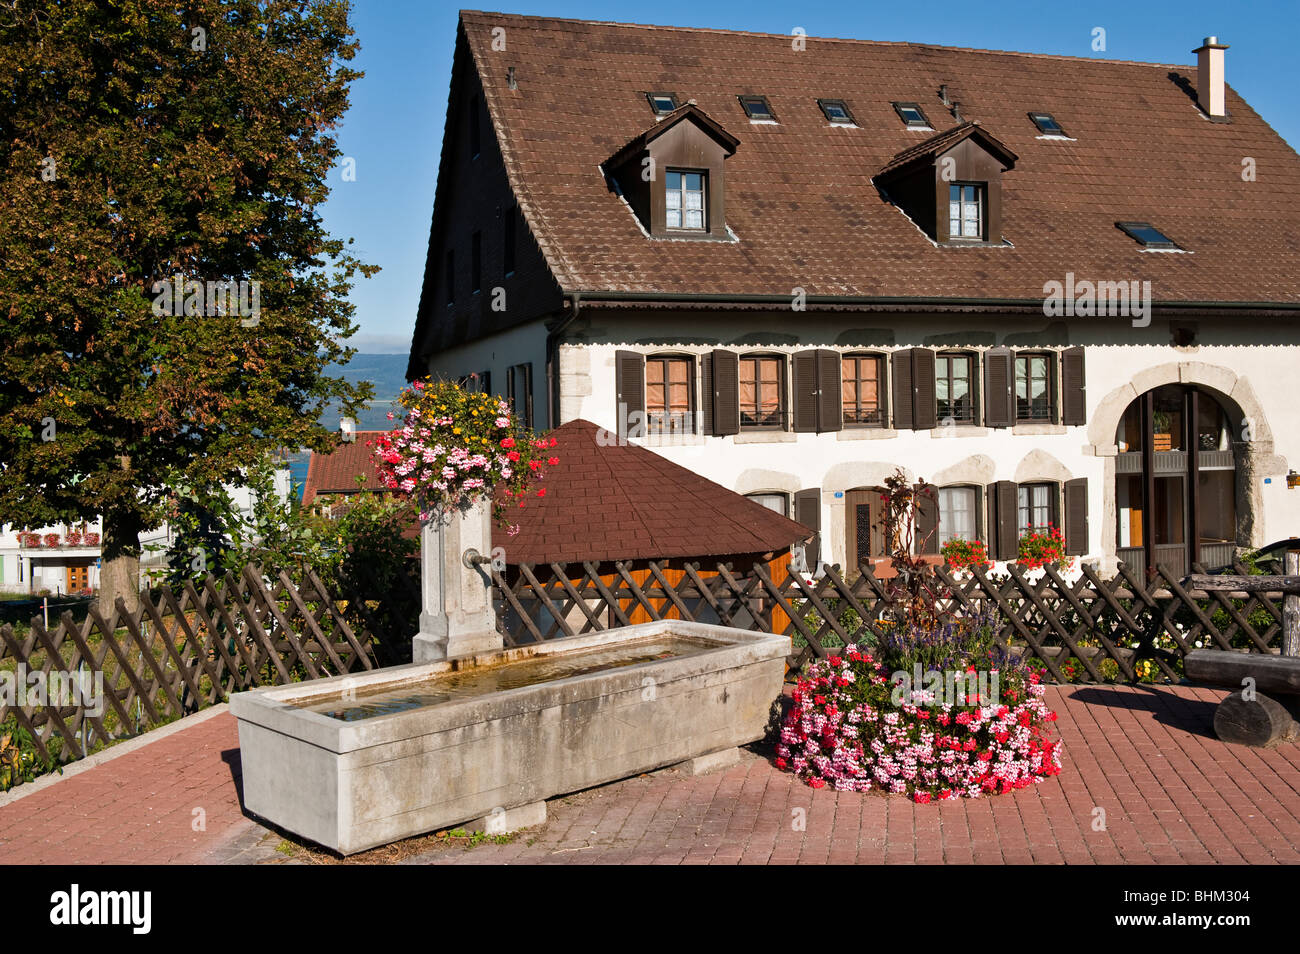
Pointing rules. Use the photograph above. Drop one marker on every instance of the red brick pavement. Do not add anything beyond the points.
(1170, 791)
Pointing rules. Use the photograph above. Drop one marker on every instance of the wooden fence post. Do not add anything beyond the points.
(1291, 609)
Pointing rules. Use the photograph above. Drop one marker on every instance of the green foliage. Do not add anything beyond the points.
(142, 141)
(19, 759)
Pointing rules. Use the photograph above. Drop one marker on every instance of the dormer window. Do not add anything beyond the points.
(672, 176)
(684, 203)
(836, 113)
(912, 115)
(662, 103)
(966, 204)
(1047, 125)
(757, 109)
(1146, 234)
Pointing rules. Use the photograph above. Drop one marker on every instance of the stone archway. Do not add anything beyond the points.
(1252, 442)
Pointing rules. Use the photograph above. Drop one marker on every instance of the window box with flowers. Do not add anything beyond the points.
(74, 538)
(1040, 548)
(962, 555)
(51, 539)
(92, 539)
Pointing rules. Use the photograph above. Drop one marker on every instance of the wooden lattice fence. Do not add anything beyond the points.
(184, 650)
(1088, 629)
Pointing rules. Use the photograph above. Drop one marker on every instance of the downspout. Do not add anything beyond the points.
(553, 359)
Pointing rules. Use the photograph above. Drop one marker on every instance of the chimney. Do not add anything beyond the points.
(348, 429)
(956, 112)
(1209, 77)
(943, 94)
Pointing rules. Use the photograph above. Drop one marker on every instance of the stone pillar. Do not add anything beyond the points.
(456, 617)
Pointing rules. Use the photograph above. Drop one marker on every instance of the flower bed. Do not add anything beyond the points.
(846, 730)
(938, 709)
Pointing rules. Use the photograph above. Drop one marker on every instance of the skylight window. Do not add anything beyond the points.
(756, 107)
(912, 115)
(1146, 234)
(662, 103)
(1047, 125)
(836, 112)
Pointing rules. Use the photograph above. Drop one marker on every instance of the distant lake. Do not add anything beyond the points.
(387, 372)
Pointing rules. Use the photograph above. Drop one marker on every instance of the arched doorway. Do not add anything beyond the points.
(1175, 481)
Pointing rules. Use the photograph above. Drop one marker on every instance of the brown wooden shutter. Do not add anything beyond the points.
(805, 391)
(1074, 405)
(925, 412)
(1076, 516)
(927, 520)
(808, 511)
(629, 387)
(706, 394)
(1004, 526)
(830, 407)
(726, 392)
(901, 368)
(999, 388)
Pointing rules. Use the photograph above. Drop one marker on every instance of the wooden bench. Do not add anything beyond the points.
(1251, 715)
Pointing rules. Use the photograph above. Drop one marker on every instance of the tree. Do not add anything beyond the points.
(152, 156)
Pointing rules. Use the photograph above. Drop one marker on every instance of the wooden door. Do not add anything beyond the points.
(864, 539)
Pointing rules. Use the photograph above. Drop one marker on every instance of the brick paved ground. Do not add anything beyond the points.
(1170, 791)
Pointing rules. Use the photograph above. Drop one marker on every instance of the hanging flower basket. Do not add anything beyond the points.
(456, 448)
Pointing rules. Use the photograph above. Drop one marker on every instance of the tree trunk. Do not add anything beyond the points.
(119, 573)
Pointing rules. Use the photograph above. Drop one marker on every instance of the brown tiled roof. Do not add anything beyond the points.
(337, 473)
(627, 503)
(800, 197)
(667, 122)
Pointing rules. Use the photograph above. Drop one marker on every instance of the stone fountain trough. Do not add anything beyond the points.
(483, 739)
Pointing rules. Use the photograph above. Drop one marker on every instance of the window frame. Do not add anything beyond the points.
(826, 104)
(653, 426)
(923, 123)
(982, 200)
(882, 389)
(746, 99)
(1051, 383)
(519, 392)
(652, 95)
(1130, 229)
(782, 406)
(1037, 116)
(976, 523)
(1053, 507)
(704, 201)
(972, 383)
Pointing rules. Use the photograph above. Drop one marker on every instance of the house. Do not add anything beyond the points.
(66, 559)
(1062, 290)
(332, 477)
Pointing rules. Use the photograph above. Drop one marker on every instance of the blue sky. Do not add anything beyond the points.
(393, 129)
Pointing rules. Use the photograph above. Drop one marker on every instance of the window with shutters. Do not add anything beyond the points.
(1037, 508)
(862, 390)
(762, 391)
(1034, 387)
(519, 392)
(776, 502)
(669, 407)
(685, 202)
(957, 514)
(954, 376)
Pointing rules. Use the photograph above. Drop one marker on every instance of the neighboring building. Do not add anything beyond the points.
(66, 559)
(793, 265)
(332, 477)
